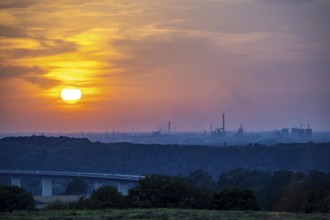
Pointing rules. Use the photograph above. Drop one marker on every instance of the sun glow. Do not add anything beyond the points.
(71, 95)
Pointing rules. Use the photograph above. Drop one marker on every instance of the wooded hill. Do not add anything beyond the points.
(72, 154)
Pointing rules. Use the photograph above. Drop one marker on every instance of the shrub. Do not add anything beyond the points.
(15, 198)
(233, 198)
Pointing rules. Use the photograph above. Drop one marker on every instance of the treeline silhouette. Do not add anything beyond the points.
(283, 190)
(239, 189)
(283, 177)
(81, 155)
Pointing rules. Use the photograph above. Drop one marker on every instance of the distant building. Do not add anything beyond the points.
(300, 132)
(219, 131)
(276, 133)
(156, 133)
(239, 132)
(308, 132)
(294, 132)
(285, 132)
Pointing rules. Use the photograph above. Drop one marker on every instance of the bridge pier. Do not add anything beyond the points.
(16, 181)
(123, 188)
(47, 187)
(98, 184)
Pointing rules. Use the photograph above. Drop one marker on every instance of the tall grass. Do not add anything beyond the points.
(166, 214)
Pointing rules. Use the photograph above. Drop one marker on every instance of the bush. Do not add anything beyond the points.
(233, 198)
(318, 201)
(82, 203)
(106, 197)
(161, 191)
(15, 198)
(57, 205)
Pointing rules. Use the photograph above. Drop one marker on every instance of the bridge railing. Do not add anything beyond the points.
(122, 179)
(72, 174)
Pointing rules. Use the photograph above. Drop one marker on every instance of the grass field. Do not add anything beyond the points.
(181, 214)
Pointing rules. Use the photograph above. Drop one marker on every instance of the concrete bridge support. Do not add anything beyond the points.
(98, 184)
(47, 187)
(16, 181)
(123, 188)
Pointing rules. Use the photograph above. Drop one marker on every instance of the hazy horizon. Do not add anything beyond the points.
(140, 64)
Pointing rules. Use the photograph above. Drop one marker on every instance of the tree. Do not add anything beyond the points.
(233, 198)
(201, 199)
(244, 178)
(318, 201)
(279, 182)
(286, 192)
(106, 197)
(256, 180)
(156, 191)
(15, 198)
(76, 187)
(202, 179)
(317, 180)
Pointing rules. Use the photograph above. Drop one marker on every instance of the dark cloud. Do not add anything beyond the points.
(18, 71)
(290, 2)
(8, 4)
(41, 82)
(12, 32)
(57, 47)
(32, 75)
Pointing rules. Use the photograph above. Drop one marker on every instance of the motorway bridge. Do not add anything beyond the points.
(46, 177)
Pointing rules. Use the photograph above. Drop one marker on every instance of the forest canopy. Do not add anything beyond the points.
(79, 154)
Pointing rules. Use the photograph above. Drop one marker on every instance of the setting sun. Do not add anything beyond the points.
(71, 95)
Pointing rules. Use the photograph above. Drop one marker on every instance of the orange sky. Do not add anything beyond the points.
(142, 63)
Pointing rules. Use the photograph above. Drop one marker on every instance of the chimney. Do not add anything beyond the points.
(223, 122)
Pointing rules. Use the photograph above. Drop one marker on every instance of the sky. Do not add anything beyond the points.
(142, 63)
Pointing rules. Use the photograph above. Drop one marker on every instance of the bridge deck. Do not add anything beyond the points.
(97, 176)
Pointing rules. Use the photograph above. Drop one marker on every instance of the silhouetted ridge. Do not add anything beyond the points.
(43, 140)
(79, 154)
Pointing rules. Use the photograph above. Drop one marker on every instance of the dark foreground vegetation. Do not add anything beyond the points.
(240, 189)
(281, 178)
(161, 213)
(77, 154)
(15, 198)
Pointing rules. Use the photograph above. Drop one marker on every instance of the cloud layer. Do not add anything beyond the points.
(139, 63)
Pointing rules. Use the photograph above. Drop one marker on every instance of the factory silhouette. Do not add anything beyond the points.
(219, 136)
(215, 136)
(284, 132)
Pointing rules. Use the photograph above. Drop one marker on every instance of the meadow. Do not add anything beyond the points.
(181, 214)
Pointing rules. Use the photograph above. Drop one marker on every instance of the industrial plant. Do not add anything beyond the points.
(219, 131)
(294, 132)
(220, 136)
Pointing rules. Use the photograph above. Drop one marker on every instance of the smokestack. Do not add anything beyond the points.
(169, 127)
(223, 122)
